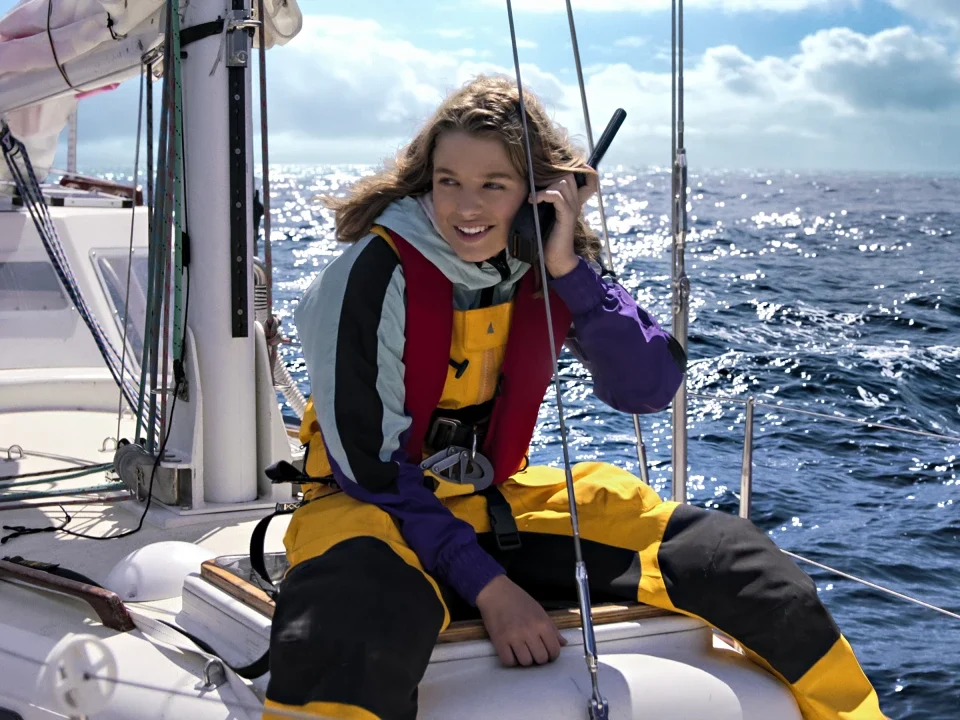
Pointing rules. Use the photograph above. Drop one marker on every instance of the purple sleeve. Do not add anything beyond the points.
(637, 366)
(445, 545)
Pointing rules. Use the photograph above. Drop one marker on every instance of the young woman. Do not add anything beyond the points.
(425, 334)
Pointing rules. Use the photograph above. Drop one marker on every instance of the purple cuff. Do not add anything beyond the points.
(468, 569)
(581, 289)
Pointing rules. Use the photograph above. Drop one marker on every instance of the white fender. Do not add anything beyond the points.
(156, 571)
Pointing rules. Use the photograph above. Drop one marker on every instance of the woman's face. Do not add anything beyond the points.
(476, 193)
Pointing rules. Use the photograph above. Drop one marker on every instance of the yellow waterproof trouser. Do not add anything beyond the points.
(357, 616)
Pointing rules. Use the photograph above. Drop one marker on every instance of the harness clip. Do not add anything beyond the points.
(461, 466)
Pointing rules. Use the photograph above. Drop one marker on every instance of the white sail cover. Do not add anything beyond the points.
(76, 28)
(84, 35)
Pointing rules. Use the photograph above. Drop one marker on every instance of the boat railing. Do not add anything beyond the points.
(750, 403)
(746, 474)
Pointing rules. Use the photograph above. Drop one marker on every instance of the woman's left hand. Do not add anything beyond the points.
(567, 200)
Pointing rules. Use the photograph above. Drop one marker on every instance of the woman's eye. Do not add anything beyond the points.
(447, 181)
(494, 186)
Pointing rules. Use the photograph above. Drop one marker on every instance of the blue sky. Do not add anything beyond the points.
(772, 84)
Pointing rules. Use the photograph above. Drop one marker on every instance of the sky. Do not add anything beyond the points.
(833, 85)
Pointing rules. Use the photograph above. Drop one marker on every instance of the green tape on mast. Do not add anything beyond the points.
(179, 321)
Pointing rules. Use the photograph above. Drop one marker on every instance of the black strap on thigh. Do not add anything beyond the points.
(501, 519)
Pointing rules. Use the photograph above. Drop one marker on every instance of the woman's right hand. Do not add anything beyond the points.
(519, 627)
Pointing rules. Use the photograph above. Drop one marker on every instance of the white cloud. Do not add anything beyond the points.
(351, 91)
(846, 100)
(945, 12)
(453, 33)
(631, 41)
(526, 44)
(554, 6)
(895, 68)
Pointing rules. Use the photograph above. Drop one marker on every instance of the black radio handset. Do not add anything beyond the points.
(522, 239)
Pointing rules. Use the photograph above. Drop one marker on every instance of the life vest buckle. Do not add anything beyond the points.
(462, 466)
(443, 432)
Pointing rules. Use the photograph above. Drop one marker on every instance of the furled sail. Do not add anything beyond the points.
(54, 52)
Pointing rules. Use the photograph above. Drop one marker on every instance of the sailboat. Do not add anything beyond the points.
(128, 588)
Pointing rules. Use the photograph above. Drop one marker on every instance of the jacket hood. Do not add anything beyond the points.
(412, 219)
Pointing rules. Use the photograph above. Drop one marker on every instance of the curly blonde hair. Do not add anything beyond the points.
(487, 106)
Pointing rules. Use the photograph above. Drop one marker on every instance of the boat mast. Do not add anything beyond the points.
(218, 146)
(680, 282)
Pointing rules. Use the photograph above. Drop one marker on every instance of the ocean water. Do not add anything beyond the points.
(832, 294)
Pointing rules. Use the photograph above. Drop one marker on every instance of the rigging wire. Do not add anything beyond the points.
(171, 200)
(157, 228)
(133, 219)
(270, 327)
(598, 705)
(608, 253)
(32, 197)
(609, 269)
(156, 462)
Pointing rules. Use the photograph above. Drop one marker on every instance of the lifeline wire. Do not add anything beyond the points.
(840, 418)
(874, 586)
(598, 705)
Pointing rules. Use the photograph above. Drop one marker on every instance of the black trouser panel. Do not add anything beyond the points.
(356, 626)
(727, 571)
(544, 567)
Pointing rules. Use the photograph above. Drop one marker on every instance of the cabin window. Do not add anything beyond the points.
(28, 286)
(112, 270)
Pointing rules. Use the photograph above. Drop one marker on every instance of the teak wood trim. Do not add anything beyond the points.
(108, 605)
(567, 619)
(237, 587)
(458, 631)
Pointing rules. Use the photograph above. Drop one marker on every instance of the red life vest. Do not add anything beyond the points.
(526, 372)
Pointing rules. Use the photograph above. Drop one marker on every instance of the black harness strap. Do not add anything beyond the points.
(260, 666)
(501, 519)
(257, 538)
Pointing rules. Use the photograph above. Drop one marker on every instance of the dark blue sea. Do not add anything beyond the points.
(833, 294)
